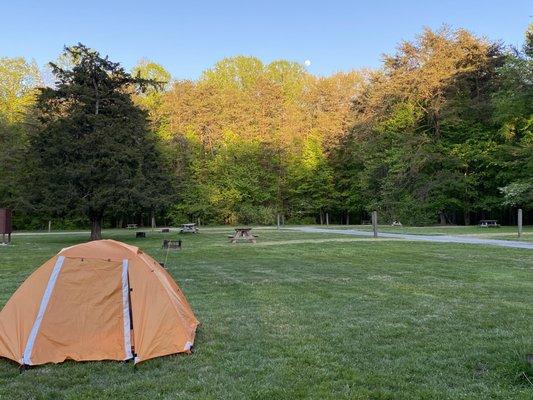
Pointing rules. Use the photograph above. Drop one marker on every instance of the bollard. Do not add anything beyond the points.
(375, 223)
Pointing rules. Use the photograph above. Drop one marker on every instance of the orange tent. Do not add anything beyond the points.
(102, 300)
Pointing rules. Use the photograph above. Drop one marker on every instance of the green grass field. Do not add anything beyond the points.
(314, 316)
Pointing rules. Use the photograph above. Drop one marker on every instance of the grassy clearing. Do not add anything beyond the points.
(316, 318)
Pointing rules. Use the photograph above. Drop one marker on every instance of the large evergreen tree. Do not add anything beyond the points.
(91, 151)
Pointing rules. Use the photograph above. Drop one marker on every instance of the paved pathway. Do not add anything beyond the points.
(50, 233)
(424, 238)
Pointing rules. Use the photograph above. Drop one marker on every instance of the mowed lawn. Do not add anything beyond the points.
(309, 316)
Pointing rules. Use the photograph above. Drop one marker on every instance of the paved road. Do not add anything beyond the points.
(50, 233)
(423, 238)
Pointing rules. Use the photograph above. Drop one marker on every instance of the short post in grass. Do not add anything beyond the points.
(6, 227)
(519, 222)
(375, 223)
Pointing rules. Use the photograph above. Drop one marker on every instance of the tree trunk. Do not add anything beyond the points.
(96, 228)
(467, 217)
(442, 218)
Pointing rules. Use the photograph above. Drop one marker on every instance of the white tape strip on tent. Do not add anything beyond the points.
(26, 357)
(126, 310)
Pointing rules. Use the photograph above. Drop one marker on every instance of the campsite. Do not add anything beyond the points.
(329, 316)
(266, 200)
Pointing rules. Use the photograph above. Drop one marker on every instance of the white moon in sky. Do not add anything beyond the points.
(307, 63)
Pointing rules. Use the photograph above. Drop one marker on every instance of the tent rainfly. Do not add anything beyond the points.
(101, 300)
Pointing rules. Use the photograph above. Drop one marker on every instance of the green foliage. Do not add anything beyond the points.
(235, 73)
(235, 183)
(518, 194)
(310, 178)
(18, 82)
(151, 98)
(12, 143)
(528, 45)
(90, 151)
(436, 133)
(152, 71)
(442, 132)
(438, 139)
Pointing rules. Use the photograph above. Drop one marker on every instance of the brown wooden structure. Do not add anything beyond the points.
(6, 227)
(243, 234)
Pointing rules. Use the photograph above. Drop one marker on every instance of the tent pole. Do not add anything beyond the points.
(130, 289)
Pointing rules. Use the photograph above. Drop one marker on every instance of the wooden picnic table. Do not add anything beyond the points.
(488, 223)
(189, 228)
(244, 234)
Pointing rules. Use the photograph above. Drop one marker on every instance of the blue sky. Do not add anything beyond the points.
(188, 37)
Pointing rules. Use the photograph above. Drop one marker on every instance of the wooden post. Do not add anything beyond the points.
(278, 221)
(5, 225)
(375, 223)
(49, 226)
(327, 219)
(519, 222)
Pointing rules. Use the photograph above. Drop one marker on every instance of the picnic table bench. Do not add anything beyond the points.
(189, 228)
(131, 226)
(244, 234)
(489, 223)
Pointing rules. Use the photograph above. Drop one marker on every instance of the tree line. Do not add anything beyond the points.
(442, 132)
